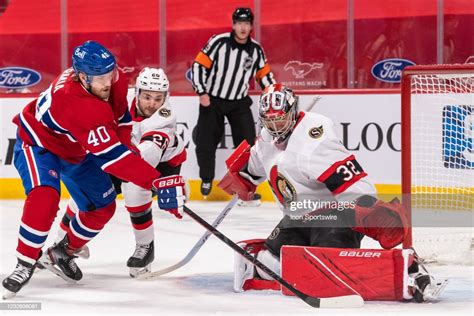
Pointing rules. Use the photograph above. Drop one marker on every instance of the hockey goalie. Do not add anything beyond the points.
(329, 205)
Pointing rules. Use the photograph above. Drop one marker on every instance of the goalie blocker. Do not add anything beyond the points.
(237, 179)
(374, 274)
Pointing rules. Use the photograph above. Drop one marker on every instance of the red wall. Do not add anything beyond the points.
(303, 32)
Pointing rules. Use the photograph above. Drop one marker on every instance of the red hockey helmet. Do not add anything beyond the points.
(277, 110)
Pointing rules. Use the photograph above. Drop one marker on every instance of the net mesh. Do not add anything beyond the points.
(442, 164)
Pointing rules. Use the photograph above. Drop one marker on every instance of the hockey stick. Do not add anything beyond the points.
(197, 246)
(348, 301)
(312, 104)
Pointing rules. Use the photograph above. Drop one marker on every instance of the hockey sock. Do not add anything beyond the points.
(86, 225)
(142, 222)
(71, 211)
(39, 211)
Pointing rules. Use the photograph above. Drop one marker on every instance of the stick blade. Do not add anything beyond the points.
(348, 301)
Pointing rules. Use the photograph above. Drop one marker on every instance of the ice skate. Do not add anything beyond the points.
(19, 278)
(252, 203)
(59, 259)
(140, 262)
(426, 288)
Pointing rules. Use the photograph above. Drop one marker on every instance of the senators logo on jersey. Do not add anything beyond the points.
(281, 187)
(165, 112)
(316, 132)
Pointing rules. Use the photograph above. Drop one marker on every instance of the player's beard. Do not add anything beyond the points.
(147, 112)
(103, 93)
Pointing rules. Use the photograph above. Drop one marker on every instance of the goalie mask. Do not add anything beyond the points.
(278, 110)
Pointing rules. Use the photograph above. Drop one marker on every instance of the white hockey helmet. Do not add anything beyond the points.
(152, 79)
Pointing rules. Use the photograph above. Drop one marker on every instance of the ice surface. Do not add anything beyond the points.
(203, 286)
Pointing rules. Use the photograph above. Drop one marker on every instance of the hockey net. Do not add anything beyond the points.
(438, 160)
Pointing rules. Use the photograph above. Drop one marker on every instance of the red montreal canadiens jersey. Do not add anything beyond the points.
(311, 165)
(70, 122)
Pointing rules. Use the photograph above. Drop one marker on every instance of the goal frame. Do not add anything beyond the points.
(406, 174)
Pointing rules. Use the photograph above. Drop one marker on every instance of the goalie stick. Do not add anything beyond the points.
(312, 104)
(195, 249)
(348, 301)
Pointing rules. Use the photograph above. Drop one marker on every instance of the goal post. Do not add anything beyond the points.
(438, 151)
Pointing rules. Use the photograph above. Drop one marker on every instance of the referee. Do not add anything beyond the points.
(222, 71)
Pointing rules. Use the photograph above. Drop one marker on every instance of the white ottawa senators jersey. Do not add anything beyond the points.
(312, 164)
(157, 141)
(155, 136)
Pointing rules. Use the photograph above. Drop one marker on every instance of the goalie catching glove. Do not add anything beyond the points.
(384, 222)
(171, 194)
(237, 179)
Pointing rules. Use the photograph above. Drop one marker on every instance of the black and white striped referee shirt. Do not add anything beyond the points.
(223, 68)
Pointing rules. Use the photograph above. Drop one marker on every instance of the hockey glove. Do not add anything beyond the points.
(384, 222)
(171, 194)
(237, 179)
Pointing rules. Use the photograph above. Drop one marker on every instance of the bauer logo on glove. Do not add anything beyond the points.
(171, 181)
(171, 194)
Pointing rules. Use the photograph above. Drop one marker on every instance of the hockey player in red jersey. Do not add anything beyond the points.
(311, 174)
(74, 131)
(155, 138)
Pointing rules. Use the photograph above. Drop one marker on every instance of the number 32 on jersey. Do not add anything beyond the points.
(342, 175)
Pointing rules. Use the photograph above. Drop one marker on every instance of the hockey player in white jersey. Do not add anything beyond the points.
(154, 135)
(311, 174)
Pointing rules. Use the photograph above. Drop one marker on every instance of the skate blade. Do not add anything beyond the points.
(8, 295)
(435, 290)
(49, 265)
(253, 203)
(140, 273)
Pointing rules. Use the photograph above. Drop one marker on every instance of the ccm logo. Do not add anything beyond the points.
(360, 254)
(170, 182)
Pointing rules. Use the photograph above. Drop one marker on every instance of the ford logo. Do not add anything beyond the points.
(390, 70)
(189, 75)
(18, 77)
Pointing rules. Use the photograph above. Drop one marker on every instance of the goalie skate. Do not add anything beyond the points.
(426, 288)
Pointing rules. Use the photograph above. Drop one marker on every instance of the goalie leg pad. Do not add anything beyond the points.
(374, 274)
(272, 262)
(245, 276)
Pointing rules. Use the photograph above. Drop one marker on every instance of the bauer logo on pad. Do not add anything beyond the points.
(458, 136)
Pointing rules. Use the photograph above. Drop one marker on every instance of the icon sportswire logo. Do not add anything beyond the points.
(18, 77)
(390, 70)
